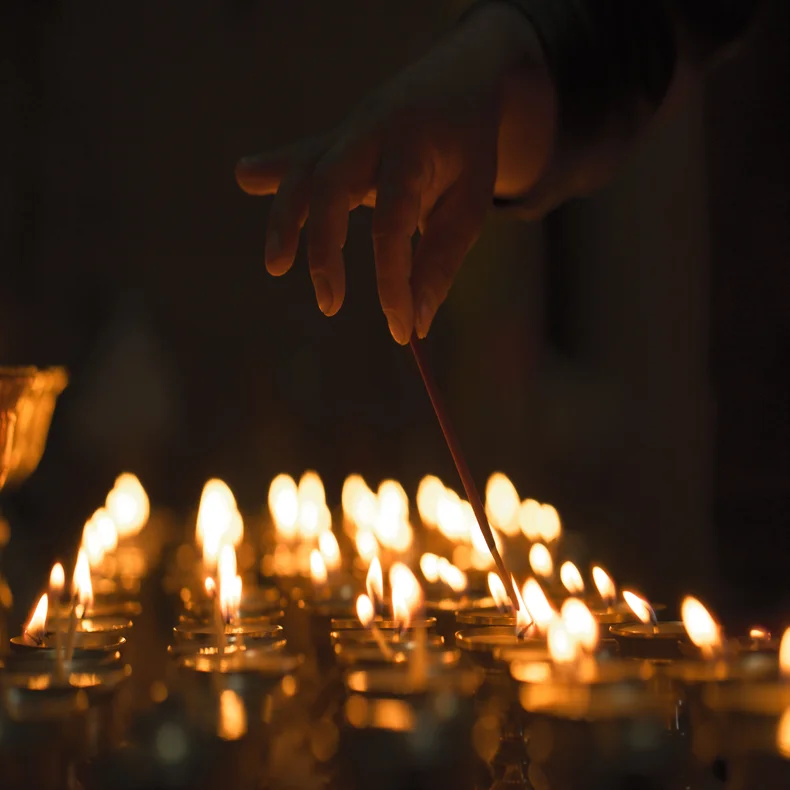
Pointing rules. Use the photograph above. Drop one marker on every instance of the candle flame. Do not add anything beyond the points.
(330, 550)
(232, 724)
(702, 629)
(216, 520)
(429, 494)
(784, 654)
(229, 583)
(393, 500)
(284, 505)
(311, 488)
(580, 623)
(128, 505)
(563, 648)
(354, 488)
(481, 556)
(523, 617)
(550, 526)
(453, 577)
(210, 586)
(759, 634)
(367, 545)
(92, 544)
(406, 594)
(81, 584)
(365, 610)
(36, 627)
(106, 530)
(374, 582)
(540, 560)
(783, 734)
(360, 504)
(429, 565)
(571, 578)
(605, 585)
(57, 580)
(318, 571)
(540, 609)
(502, 504)
(529, 519)
(498, 591)
(640, 607)
(450, 519)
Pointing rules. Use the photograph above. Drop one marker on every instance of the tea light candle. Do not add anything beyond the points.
(234, 633)
(488, 647)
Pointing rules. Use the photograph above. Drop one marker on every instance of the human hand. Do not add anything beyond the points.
(422, 151)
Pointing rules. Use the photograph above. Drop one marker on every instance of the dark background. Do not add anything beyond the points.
(627, 359)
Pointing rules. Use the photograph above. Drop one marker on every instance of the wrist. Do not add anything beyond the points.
(510, 45)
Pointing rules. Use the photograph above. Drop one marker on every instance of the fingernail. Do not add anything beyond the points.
(273, 247)
(323, 293)
(425, 313)
(396, 328)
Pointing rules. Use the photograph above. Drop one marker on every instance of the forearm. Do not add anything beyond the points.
(611, 67)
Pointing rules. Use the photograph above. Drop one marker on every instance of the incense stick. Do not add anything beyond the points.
(463, 469)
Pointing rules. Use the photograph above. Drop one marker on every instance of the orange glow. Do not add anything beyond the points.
(309, 523)
(128, 505)
(783, 734)
(702, 629)
(453, 577)
(215, 519)
(540, 561)
(640, 607)
(429, 565)
(81, 585)
(317, 568)
(367, 545)
(232, 724)
(759, 634)
(210, 586)
(580, 623)
(229, 583)
(106, 531)
(529, 519)
(284, 505)
(523, 617)
(330, 550)
(502, 504)
(374, 582)
(57, 580)
(571, 578)
(498, 591)
(429, 493)
(563, 648)
(365, 610)
(406, 594)
(605, 585)
(550, 525)
(450, 517)
(540, 609)
(36, 627)
(784, 654)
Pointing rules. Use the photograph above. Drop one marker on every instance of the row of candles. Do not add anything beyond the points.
(555, 639)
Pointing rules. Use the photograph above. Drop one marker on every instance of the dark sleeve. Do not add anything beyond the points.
(612, 62)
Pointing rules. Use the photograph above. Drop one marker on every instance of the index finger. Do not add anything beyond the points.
(261, 174)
